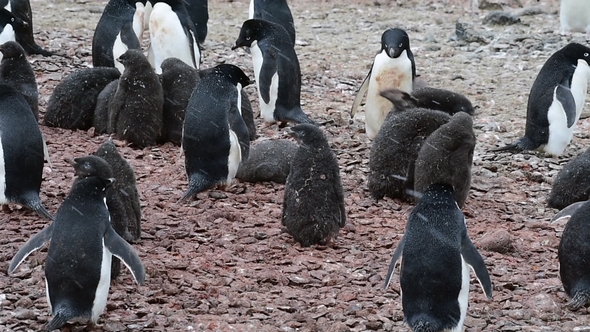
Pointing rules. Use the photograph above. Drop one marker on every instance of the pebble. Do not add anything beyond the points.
(498, 241)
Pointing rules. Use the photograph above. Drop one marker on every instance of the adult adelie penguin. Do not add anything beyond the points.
(21, 152)
(574, 253)
(276, 11)
(135, 112)
(436, 254)
(78, 264)
(313, 204)
(393, 68)
(198, 10)
(276, 69)
(556, 101)
(574, 16)
(21, 9)
(16, 70)
(120, 28)
(215, 138)
(8, 24)
(172, 34)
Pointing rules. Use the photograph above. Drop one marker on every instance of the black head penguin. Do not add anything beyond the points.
(198, 10)
(446, 156)
(16, 70)
(396, 147)
(100, 118)
(215, 138)
(119, 28)
(574, 253)
(21, 152)
(135, 112)
(178, 82)
(78, 264)
(574, 16)
(72, 103)
(8, 24)
(269, 160)
(393, 68)
(172, 34)
(572, 183)
(276, 11)
(436, 254)
(313, 204)
(276, 69)
(21, 9)
(556, 101)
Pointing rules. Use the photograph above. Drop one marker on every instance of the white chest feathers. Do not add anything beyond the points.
(574, 16)
(3, 199)
(168, 39)
(387, 73)
(267, 109)
(234, 159)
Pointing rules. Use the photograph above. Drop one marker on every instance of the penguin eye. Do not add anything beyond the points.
(12, 19)
(400, 45)
(248, 38)
(586, 55)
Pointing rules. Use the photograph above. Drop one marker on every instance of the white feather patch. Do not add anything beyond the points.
(104, 283)
(266, 109)
(234, 158)
(3, 199)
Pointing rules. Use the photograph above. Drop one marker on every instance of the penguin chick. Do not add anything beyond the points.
(16, 70)
(313, 204)
(269, 160)
(572, 183)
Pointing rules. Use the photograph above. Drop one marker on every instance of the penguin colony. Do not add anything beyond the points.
(126, 92)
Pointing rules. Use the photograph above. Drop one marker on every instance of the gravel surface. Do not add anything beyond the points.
(224, 263)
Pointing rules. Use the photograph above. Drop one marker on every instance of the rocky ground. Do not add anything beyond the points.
(223, 262)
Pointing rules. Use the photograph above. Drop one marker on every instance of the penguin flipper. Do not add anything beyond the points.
(396, 256)
(360, 94)
(566, 98)
(475, 261)
(34, 243)
(125, 252)
(567, 211)
(238, 126)
(267, 71)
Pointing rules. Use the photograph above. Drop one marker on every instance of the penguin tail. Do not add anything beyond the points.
(60, 318)
(196, 184)
(34, 202)
(524, 143)
(579, 300)
(424, 323)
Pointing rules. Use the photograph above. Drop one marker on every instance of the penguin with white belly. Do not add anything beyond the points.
(215, 138)
(276, 69)
(556, 101)
(8, 24)
(172, 34)
(436, 254)
(78, 264)
(21, 152)
(23, 33)
(393, 68)
(574, 16)
(119, 29)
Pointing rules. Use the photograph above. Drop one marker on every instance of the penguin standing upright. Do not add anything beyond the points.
(393, 68)
(215, 138)
(119, 28)
(16, 70)
(556, 101)
(135, 112)
(21, 9)
(172, 34)
(436, 253)
(276, 11)
(276, 69)
(21, 152)
(574, 16)
(8, 24)
(78, 264)
(573, 254)
(198, 10)
(313, 204)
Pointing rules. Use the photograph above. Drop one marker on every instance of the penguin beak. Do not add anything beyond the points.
(393, 52)
(70, 161)
(234, 47)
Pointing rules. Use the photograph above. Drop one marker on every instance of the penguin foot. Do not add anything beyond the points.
(579, 300)
(35, 205)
